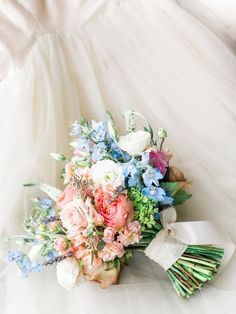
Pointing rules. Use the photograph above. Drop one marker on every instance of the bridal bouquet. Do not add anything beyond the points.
(119, 196)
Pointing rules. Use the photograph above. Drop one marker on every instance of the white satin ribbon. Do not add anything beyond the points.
(171, 242)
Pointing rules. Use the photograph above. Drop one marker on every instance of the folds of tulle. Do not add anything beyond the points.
(150, 56)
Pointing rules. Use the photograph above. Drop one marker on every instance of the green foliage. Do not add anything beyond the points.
(179, 195)
(112, 129)
(144, 207)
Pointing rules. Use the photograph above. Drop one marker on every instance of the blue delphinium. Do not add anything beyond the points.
(130, 168)
(51, 256)
(144, 162)
(99, 151)
(152, 176)
(99, 131)
(45, 203)
(168, 200)
(154, 193)
(15, 256)
(82, 144)
(135, 180)
(116, 152)
(25, 265)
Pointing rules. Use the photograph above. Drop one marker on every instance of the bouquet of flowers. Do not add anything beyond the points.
(119, 196)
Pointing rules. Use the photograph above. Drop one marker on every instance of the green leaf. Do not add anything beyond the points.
(180, 197)
(101, 245)
(112, 129)
(171, 187)
(28, 184)
(59, 157)
(51, 191)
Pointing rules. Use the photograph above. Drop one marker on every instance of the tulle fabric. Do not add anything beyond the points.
(150, 56)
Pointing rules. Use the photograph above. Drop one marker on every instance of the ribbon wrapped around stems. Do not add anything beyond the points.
(171, 242)
(191, 252)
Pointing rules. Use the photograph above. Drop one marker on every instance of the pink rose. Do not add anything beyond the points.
(62, 246)
(75, 216)
(117, 213)
(111, 251)
(159, 161)
(109, 235)
(53, 225)
(81, 252)
(77, 238)
(66, 196)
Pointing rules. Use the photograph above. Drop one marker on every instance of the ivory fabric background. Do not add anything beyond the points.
(67, 59)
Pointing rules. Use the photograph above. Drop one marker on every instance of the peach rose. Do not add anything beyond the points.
(108, 276)
(92, 267)
(75, 216)
(66, 196)
(117, 213)
(104, 273)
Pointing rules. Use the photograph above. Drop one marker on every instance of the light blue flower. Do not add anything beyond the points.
(135, 180)
(99, 151)
(130, 168)
(99, 131)
(154, 193)
(36, 267)
(15, 256)
(81, 144)
(168, 200)
(152, 176)
(24, 263)
(144, 162)
(116, 152)
(45, 203)
(51, 256)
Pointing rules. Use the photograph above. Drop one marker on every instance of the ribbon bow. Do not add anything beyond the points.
(171, 242)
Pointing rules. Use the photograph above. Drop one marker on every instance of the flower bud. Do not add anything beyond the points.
(162, 133)
(176, 175)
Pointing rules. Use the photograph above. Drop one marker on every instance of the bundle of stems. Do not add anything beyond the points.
(197, 265)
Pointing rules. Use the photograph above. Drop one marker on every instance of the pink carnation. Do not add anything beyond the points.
(134, 226)
(159, 161)
(111, 251)
(131, 234)
(109, 235)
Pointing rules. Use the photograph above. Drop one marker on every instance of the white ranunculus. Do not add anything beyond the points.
(135, 143)
(107, 172)
(67, 273)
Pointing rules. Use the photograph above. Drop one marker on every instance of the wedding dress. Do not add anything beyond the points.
(68, 59)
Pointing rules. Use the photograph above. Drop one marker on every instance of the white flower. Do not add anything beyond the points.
(34, 252)
(67, 273)
(135, 143)
(107, 172)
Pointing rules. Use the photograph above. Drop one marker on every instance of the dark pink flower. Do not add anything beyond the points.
(159, 161)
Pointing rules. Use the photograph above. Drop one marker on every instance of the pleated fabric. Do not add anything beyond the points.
(79, 58)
